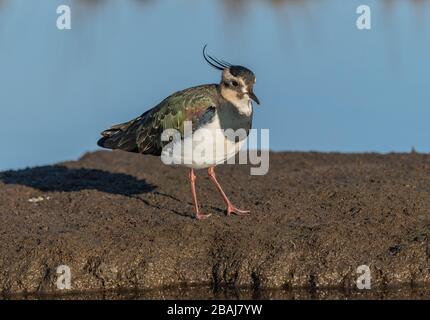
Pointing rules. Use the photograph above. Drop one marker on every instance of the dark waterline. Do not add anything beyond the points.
(207, 293)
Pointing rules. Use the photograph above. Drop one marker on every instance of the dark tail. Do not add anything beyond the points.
(122, 136)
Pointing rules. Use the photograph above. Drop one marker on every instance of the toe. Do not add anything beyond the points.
(201, 216)
(236, 211)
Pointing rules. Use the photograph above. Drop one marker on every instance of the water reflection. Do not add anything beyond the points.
(240, 6)
(207, 293)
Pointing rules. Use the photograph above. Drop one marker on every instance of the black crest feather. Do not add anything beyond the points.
(214, 62)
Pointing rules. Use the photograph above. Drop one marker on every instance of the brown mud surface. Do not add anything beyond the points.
(124, 222)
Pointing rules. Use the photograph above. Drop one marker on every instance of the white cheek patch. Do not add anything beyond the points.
(244, 106)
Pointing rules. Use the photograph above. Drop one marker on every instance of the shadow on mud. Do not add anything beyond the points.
(62, 178)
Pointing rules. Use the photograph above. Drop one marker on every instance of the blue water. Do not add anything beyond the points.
(324, 85)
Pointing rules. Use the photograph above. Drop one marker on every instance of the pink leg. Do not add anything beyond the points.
(199, 215)
(230, 207)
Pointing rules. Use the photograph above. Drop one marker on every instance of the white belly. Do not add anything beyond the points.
(206, 147)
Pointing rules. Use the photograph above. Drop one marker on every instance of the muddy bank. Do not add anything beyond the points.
(125, 221)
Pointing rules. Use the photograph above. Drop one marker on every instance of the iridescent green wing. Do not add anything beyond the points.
(197, 105)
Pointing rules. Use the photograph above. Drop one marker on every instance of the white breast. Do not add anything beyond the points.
(207, 147)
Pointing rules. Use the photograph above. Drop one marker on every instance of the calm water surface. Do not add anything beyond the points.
(324, 85)
(207, 293)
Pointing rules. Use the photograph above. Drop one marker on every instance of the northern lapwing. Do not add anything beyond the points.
(212, 108)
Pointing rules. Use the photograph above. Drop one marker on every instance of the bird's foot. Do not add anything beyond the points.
(201, 216)
(231, 209)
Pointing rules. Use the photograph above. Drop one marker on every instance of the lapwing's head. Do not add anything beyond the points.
(237, 82)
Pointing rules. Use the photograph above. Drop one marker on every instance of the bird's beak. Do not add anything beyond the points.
(253, 96)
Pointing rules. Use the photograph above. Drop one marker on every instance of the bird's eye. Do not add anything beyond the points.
(234, 83)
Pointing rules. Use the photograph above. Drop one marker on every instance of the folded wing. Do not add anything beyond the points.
(143, 134)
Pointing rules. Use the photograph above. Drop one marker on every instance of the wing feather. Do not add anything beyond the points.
(143, 134)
